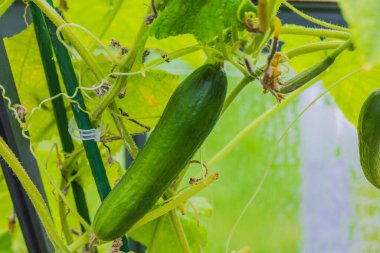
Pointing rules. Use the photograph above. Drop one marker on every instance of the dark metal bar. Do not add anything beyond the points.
(34, 234)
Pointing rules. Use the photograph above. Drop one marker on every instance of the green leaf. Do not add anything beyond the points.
(124, 29)
(363, 18)
(351, 93)
(165, 237)
(204, 19)
(146, 98)
(5, 242)
(29, 76)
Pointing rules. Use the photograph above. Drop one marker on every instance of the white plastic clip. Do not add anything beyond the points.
(85, 134)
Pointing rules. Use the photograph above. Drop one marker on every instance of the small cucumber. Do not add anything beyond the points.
(369, 138)
(187, 120)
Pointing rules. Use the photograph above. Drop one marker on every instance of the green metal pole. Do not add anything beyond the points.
(82, 119)
(46, 53)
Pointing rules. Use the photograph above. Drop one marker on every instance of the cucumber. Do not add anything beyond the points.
(187, 120)
(369, 138)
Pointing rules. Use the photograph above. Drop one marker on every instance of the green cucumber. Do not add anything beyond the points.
(369, 138)
(187, 120)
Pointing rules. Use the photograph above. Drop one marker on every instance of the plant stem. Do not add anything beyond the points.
(80, 242)
(125, 66)
(253, 125)
(34, 195)
(312, 47)
(305, 49)
(314, 20)
(246, 80)
(173, 55)
(180, 232)
(178, 200)
(309, 74)
(157, 228)
(63, 216)
(124, 133)
(262, 10)
(289, 29)
(5, 5)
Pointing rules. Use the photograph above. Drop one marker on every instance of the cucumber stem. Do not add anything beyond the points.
(311, 48)
(238, 88)
(300, 30)
(34, 195)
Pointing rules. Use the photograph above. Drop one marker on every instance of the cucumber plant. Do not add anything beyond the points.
(130, 86)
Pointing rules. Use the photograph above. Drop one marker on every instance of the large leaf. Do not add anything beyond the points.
(351, 93)
(124, 29)
(146, 97)
(202, 18)
(363, 18)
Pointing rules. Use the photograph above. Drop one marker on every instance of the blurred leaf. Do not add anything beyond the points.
(5, 242)
(351, 93)
(202, 206)
(28, 72)
(363, 18)
(204, 19)
(166, 239)
(146, 98)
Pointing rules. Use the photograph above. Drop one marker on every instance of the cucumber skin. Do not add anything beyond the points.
(187, 120)
(369, 138)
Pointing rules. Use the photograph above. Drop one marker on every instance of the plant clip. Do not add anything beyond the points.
(85, 134)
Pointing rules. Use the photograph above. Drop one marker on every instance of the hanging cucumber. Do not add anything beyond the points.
(187, 120)
(369, 138)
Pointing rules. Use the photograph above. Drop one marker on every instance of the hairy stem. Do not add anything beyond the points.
(299, 30)
(312, 47)
(34, 195)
